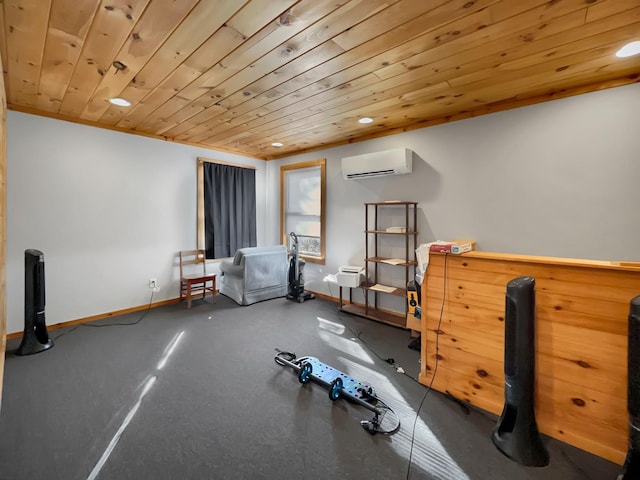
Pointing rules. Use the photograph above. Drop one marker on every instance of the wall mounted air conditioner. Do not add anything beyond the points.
(378, 164)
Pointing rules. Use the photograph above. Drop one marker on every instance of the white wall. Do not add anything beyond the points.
(108, 210)
(559, 178)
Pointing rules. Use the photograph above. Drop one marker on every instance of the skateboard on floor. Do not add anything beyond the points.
(339, 385)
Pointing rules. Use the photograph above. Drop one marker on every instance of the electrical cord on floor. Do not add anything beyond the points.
(135, 322)
(390, 360)
(435, 369)
(62, 334)
(66, 332)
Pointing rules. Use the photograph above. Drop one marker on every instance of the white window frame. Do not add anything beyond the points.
(283, 206)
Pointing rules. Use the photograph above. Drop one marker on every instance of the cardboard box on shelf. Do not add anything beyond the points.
(455, 247)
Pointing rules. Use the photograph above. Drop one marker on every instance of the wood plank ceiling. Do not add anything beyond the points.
(237, 75)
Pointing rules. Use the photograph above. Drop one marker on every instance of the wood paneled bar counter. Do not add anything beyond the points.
(582, 310)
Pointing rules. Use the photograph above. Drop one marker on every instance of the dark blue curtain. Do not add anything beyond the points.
(229, 209)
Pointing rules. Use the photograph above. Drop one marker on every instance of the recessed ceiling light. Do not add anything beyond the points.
(121, 102)
(629, 49)
(366, 120)
(276, 144)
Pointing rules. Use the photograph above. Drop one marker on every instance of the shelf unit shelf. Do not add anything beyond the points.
(400, 292)
(384, 232)
(386, 261)
(375, 235)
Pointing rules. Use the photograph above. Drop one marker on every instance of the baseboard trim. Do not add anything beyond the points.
(324, 296)
(124, 311)
(100, 316)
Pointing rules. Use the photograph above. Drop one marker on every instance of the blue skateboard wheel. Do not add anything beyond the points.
(336, 388)
(304, 375)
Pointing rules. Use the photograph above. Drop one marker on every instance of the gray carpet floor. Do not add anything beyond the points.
(196, 394)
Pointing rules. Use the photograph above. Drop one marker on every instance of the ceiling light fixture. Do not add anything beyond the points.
(121, 102)
(629, 50)
(277, 144)
(365, 120)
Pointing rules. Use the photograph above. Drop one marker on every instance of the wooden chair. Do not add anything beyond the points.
(198, 283)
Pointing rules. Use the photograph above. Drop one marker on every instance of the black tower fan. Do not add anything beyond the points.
(516, 434)
(631, 468)
(35, 338)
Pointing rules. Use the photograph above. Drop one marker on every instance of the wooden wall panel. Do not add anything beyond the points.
(3, 227)
(582, 309)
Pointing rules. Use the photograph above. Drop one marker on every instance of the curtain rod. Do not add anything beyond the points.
(208, 160)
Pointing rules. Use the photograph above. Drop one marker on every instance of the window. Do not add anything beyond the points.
(302, 207)
(226, 208)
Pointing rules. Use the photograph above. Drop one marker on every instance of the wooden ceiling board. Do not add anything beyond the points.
(228, 37)
(436, 40)
(603, 9)
(609, 38)
(500, 38)
(340, 64)
(356, 108)
(398, 80)
(287, 107)
(315, 41)
(356, 61)
(299, 79)
(488, 96)
(347, 100)
(203, 21)
(431, 15)
(3, 51)
(151, 97)
(157, 23)
(252, 17)
(25, 29)
(491, 100)
(237, 75)
(315, 121)
(476, 55)
(69, 23)
(532, 55)
(112, 25)
(273, 34)
(315, 57)
(252, 51)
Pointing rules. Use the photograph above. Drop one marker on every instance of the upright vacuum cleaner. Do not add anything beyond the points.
(296, 274)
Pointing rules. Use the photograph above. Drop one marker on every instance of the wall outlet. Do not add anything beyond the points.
(153, 283)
